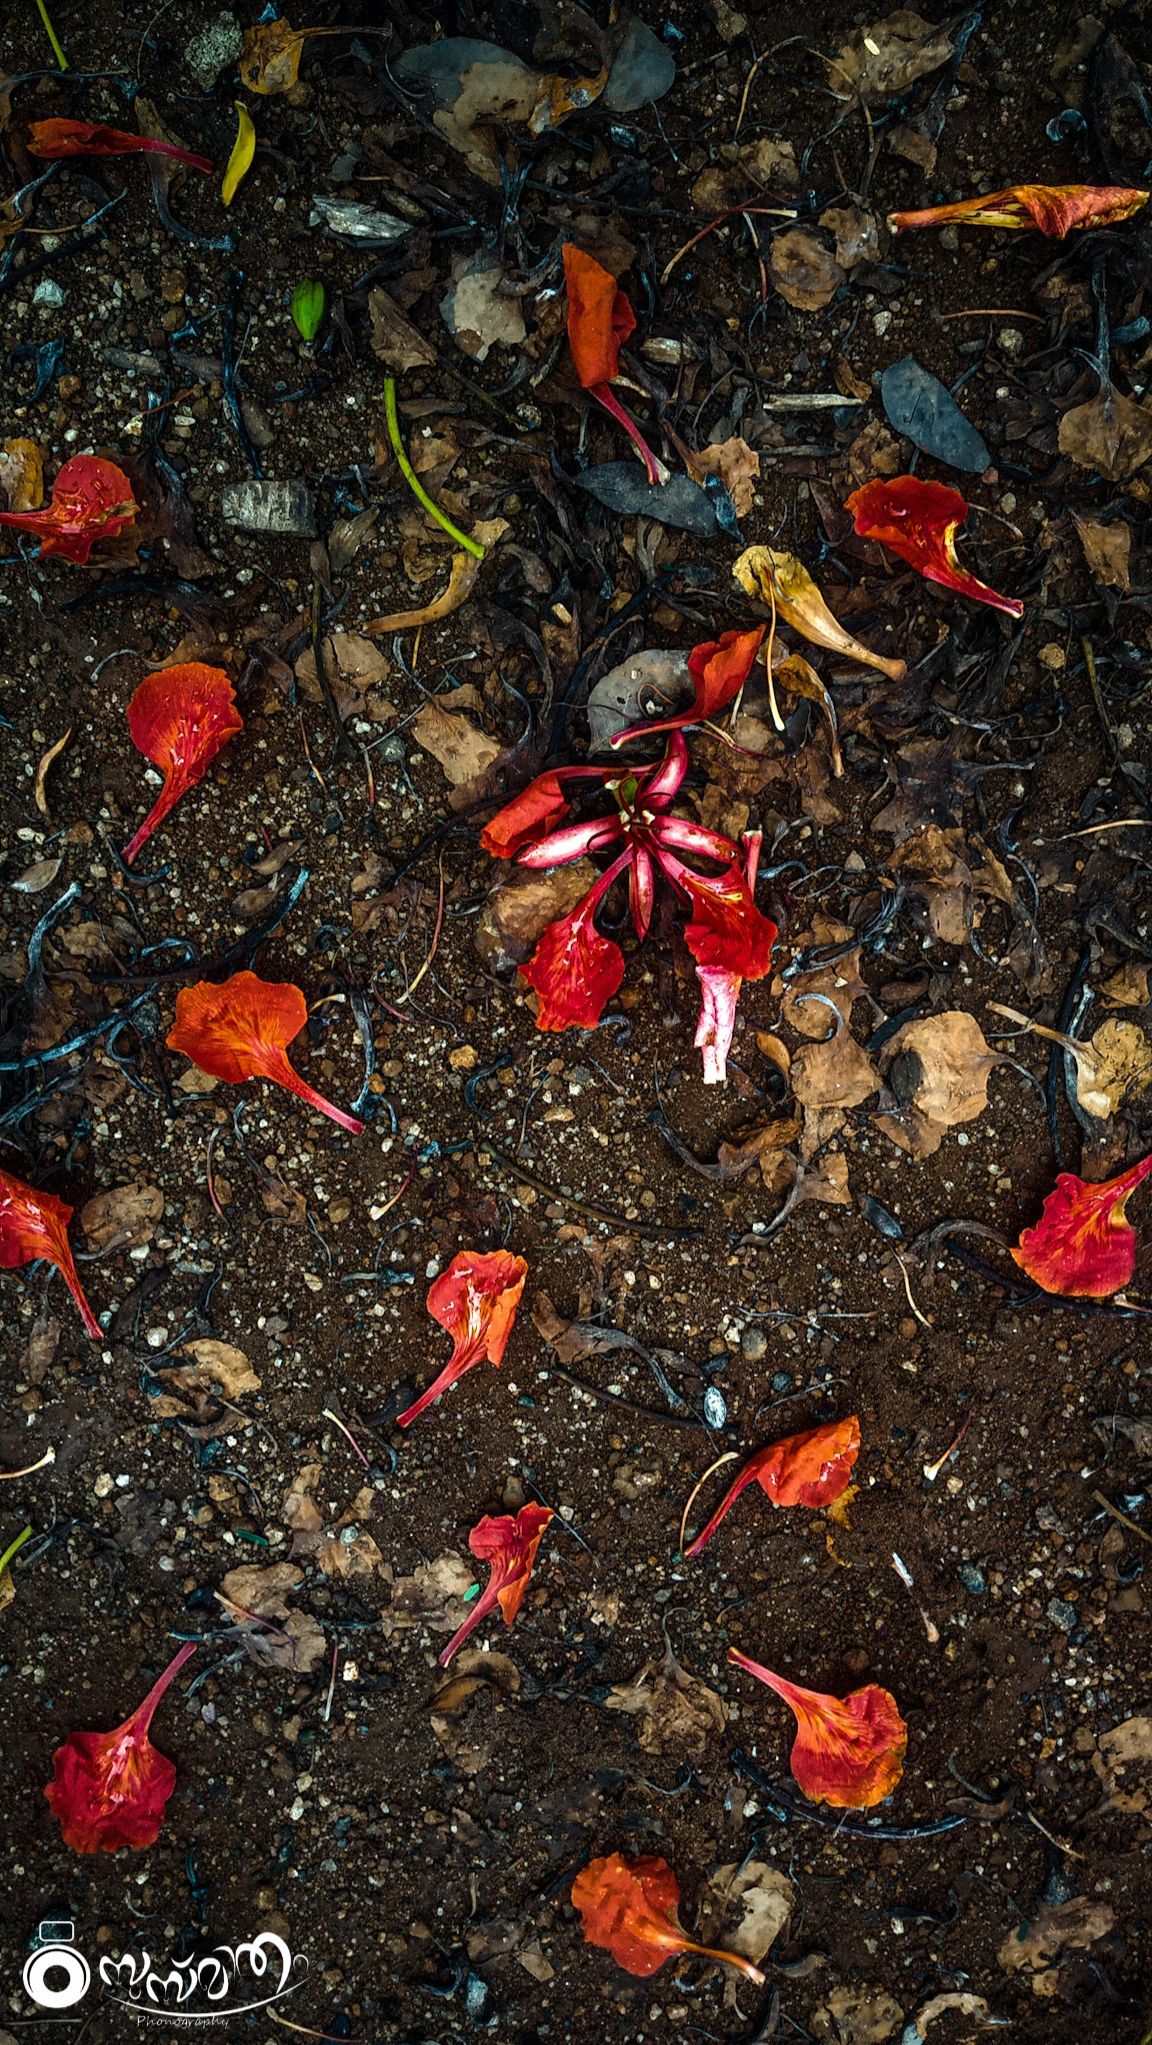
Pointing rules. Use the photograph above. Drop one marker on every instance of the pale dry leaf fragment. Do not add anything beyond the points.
(856, 2016)
(803, 270)
(395, 340)
(22, 474)
(1129, 1745)
(888, 56)
(771, 164)
(781, 578)
(833, 1072)
(964, 2001)
(1122, 1058)
(215, 1366)
(340, 1547)
(1107, 546)
(1110, 433)
(857, 234)
(840, 981)
(293, 1641)
(455, 743)
(1054, 1933)
(738, 467)
(746, 1906)
(936, 1076)
(477, 314)
(46, 762)
(521, 907)
(461, 580)
(675, 1711)
(355, 669)
(798, 675)
(126, 1217)
(433, 1595)
(464, 1706)
(37, 877)
(1130, 987)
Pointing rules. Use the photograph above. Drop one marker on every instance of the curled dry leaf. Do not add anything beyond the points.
(217, 1366)
(804, 270)
(798, 675)
(461, 581)
(399, 344)
(782, 579)
(459, 746)
(433, 1595)
(44, 766)
(761, 1895)
(887, 56)
(293, 1641)
(340, 1547)
(123, 1218)
(738, 467)
(1107, 546)
(856, 2016)
(22, 474)
(937, 1076)
(1054, 1934)
(477, 314)
(964, 2001)
(1110, 434)
(676, 1712)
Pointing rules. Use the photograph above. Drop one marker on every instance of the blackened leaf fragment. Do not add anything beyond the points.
(622, 487)
(920, 406)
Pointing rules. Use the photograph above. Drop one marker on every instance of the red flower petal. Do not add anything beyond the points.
(812, 1469)
(241, 1029)
(727, 929)
(476, 1300)
(509, 1546)
(919, 520)
(534, 810)
(91, 500)
(35, 1225)
(573, 969)
(180, 718)
(56, 138)
(719, 668)
(600, 318)
(1053, 209)
(848, 1752)
(1082, 1245)
(631, 1908)
(109, 1789)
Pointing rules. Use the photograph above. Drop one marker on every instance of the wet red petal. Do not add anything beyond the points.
(573, 969)
(848, 1752)
(476, 1301)
(1052, 209)
(631, 1907)
(535, 810)
(719, 668)
(811, 1469)
(1083, 1246)
(919, 520)
(509, 1545)
(600, 318)
(241, 1030)
(727, 930)
(56, 138)
(109, 1789)
(180, 718)
(34, 1225)
(91, 501)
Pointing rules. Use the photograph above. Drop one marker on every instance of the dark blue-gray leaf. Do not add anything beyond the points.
(623, 487)
(919, 406)
(643, 71)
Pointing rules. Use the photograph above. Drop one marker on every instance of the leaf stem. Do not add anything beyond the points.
(13, 1549)
(412, 479)
(57, 52)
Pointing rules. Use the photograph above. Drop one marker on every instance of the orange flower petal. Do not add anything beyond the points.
(180, 718)
(848, 1752)
(91, 500)
(919, 521)
(241, 1030)
(1052, 209)
(812, 1469)
(476, 1301)
(631, 1908)
(719, 668)
(600, 319)
(55, 138)
(509, 1545)
(109, 1789)
(35, 1225)
(1083, 1246)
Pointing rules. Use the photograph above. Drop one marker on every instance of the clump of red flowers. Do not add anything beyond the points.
(631, 1907)
(813, 1469)
(241, 1029)
(1083, 1245)
(179, 718)
(919, 521)
(55, 138)
(600, 320)
(109, 1789)
(35, 1225)
(574, 968)
(91, 501)
(476, 1300)
(848, 1752)
(1050, 209)
(509, 1545)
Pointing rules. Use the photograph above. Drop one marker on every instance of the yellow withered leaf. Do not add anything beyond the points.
(766, 573)
(243, 151)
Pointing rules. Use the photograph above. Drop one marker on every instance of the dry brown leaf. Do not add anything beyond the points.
(295, 1640)
(461, 581)
(762, 1146)
(355, 668)
(215, 1367)
(833, 1072)
(340, 1547)
(1055, 1933)
(522, 906)
(798, 675)
(840, 981)
(771, 164)
(455, 743)
(969, 2005)
(22, 474)
(45, 763)
(399, 344)
(433, 1595)
(676, 1712)
(1107, 546)
(1111, 433)
(888, 56)
(761, 1894)
(803, 270)
(270, 61)
(37, 877)
(857, 234)
(466, 1706)
(1131, 987)
(1122, 1067)
(738, 467)
(477, 314)
(856, 2016)
(126, 1216)
(937, 1075)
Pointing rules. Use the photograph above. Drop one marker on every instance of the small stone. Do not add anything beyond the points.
(1061, 1613)
(1011, 340)
(48, 294)
(1053, 657)
(465, 1058)
(753, 1345)
(269, 508)
(974, 1580)
(105, 1483)
(715, 1407)
(217, 45)
(782, 1382)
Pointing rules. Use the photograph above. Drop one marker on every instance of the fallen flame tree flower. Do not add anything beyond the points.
(508, 1544)
(631, 1907)
(241, 1029)
(848, 1752)
(91, 500)
(1083, 1244)
(35, 1225)
(180, 718)
(812, 1469)
(600, 320)
(56, 138)
(109, 1789)
(782, 581)
(476, 1300)
(1050, 209)
(919, 521)
(574, 969)
(719, 669)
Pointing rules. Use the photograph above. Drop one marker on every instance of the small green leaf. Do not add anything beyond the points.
(309, 304)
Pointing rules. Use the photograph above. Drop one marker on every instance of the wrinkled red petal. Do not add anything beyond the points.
(109, 1789)
(719, 668)
(631, 1907)
(811, 1469)
(600, 319)
(55, 138)
(35, 1225)
(574, 970)
(1052, 209)
(241, 1028)
(1083, 1246)
(534, 810)
(91, 501)
(848, 1752)
(727, 929)
(476, 1300)
(509, 1545)
(919, 520)
(180, 718)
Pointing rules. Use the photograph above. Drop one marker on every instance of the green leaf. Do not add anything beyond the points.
(309, 304)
